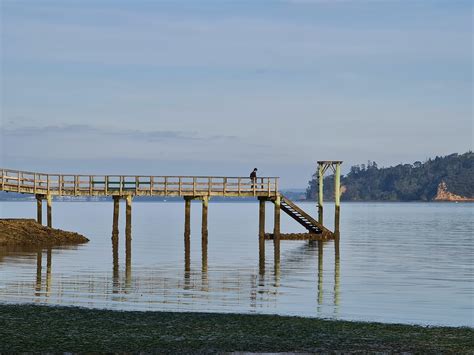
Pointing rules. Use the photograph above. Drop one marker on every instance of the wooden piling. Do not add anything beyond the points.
(205, 205)
(115, 228)
(49, 210)
(320, 192)
(261, 219)
(39, 209)
(187, 215)
(128, 213)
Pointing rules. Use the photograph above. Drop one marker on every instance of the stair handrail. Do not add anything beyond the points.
(304, 214)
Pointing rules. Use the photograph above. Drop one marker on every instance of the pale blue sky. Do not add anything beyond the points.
(220, 87)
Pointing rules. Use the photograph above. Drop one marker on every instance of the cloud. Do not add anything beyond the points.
(13, 130)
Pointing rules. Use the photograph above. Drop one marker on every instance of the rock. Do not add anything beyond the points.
(29, 232)
(444, 195)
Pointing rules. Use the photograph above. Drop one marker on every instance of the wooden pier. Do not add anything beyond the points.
(46, 186)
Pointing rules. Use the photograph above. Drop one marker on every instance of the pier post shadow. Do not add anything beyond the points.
(261, 236)
(128, 256)
(276, 239)
(320, 272)
(336, 274)
(204, 235)
(39, 261)
(187, 236)
(49, 261)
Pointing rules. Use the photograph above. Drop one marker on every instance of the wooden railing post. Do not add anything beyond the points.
(34, 182)
(121, 185)
(137, 184)
(106, 187)
(47, 183)
(209, 187)
(225, 185)
(179, 186)
(60, 184)
(151, 185)
(194, 186)
(91, 184)
(239, 182)
(18, 182)
(3, 179)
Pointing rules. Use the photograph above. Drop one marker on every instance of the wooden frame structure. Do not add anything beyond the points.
(335, 166)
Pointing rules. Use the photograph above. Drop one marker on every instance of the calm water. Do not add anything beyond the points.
(397, 262)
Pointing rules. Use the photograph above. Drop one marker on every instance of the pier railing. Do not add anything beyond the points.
(140, 185)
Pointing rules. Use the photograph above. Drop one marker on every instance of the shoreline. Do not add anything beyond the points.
(58, 328)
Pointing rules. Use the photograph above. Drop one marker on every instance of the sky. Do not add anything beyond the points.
(220, 87)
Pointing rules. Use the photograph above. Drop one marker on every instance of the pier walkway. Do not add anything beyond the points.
(45, 186)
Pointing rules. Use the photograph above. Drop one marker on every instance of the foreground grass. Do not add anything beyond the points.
(25, 328)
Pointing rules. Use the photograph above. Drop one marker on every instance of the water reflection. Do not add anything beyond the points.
(154, 286)
(39, 272)
(115, 257)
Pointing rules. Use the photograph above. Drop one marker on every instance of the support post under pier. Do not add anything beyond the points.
(39, 209)
(49, 210)
(320, 192)
(205, 205)
(115, 228)
(128, 214)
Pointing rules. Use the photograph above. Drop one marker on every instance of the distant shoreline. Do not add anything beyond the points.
(239, 200)
(70, 329)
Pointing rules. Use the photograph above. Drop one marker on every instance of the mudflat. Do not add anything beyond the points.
(32, 328)
(29, 232)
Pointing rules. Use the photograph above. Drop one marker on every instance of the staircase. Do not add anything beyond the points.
(302, 217)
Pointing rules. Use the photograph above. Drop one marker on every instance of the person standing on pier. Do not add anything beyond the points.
(253, 177)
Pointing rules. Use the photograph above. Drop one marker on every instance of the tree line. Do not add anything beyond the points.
(405, 182)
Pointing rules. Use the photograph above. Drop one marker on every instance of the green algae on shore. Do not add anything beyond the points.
(32, 328)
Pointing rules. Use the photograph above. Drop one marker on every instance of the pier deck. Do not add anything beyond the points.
(44, 186)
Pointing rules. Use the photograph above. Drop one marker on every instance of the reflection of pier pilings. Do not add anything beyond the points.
(276, 239)
(187, 235)
(39, 259)
(128, 257)
(204, 235)
(115, 243)
(39, 271)
(49, 257)
(320, 272)
(115, 261)
(336, 274)
(261, 236)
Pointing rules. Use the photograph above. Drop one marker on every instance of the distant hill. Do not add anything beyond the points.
(448, 178)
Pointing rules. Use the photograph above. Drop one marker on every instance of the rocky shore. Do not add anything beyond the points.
(42, 329)
(29, 232)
